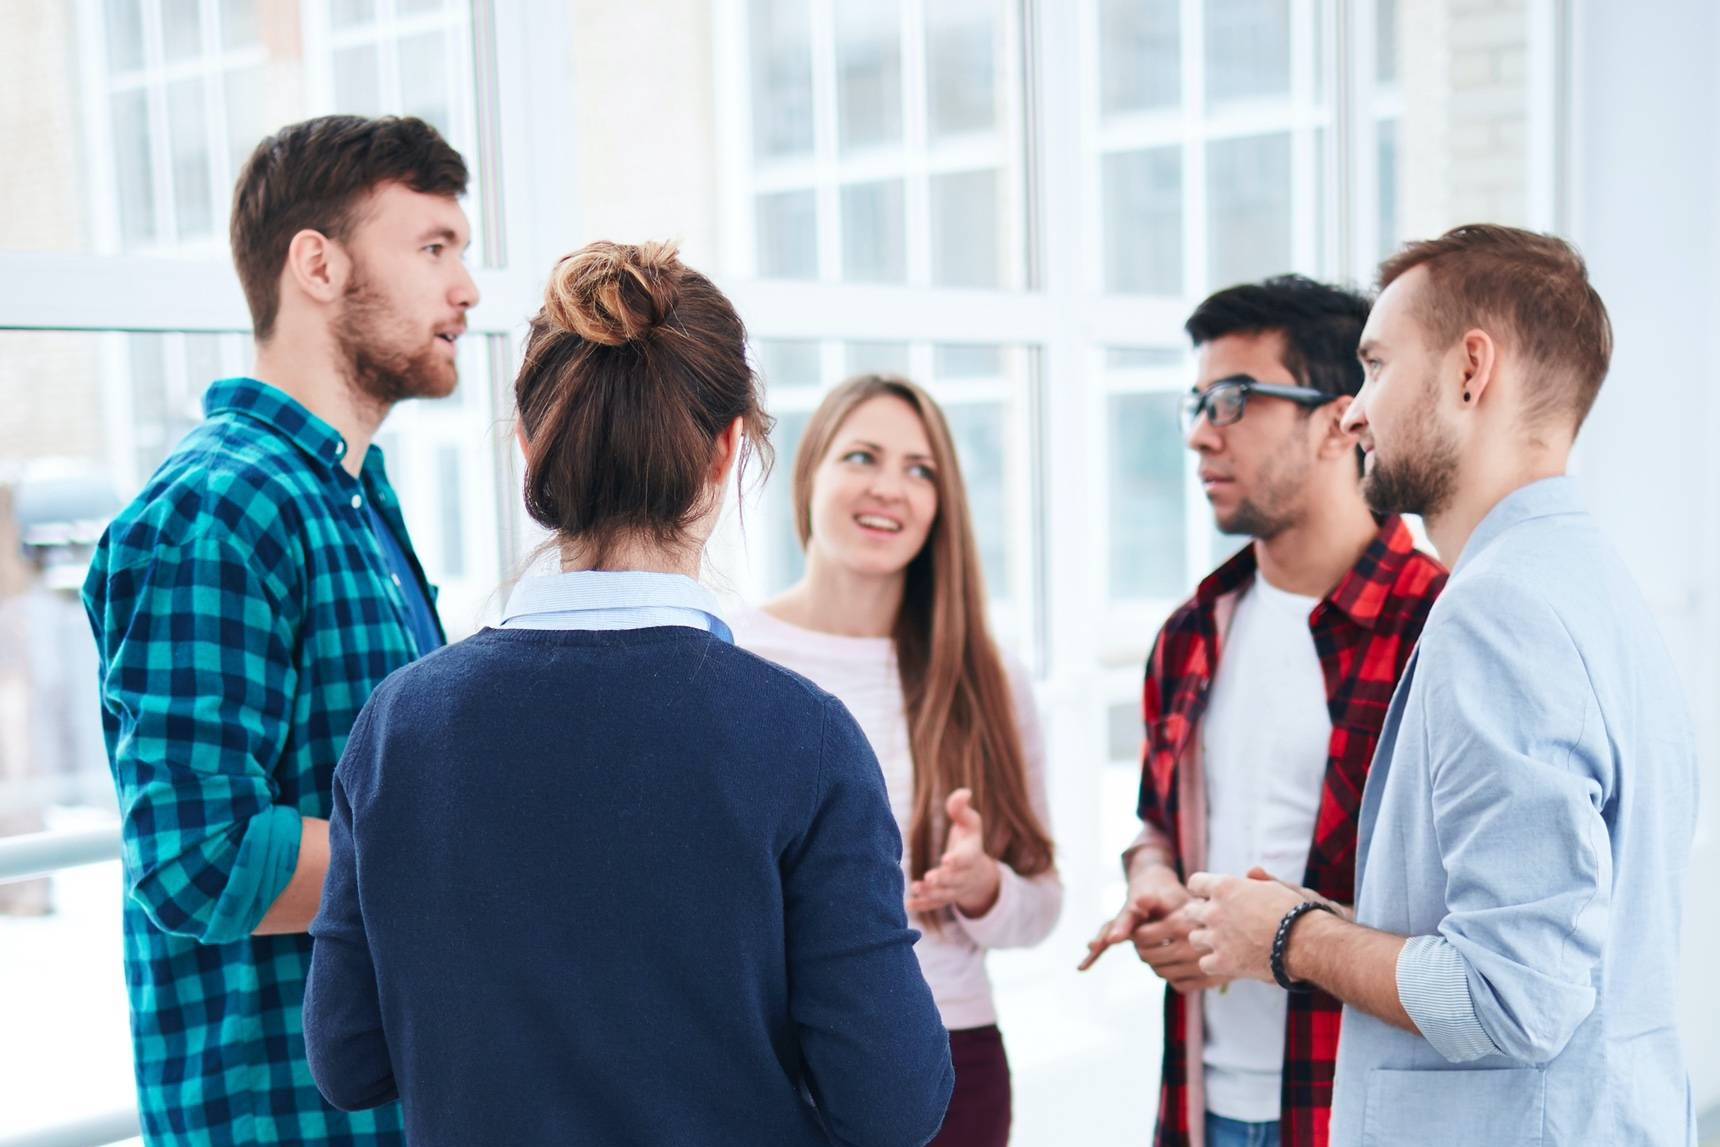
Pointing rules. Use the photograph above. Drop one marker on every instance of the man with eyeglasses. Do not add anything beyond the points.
(1263, 701)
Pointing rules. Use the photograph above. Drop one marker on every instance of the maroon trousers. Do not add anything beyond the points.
(979, 1109)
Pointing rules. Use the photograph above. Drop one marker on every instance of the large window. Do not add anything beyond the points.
(886, 142)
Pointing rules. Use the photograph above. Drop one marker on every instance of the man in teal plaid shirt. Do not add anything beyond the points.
(249, 600)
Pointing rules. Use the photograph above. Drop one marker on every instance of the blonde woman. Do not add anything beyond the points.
(890, 617)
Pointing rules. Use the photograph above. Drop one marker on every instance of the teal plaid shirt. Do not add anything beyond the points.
(244, 610)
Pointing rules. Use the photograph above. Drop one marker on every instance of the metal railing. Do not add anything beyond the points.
(42, 854)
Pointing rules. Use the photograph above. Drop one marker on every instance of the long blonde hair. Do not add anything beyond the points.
(962, 729)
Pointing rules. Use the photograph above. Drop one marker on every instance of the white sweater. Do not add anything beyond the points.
(861, 672)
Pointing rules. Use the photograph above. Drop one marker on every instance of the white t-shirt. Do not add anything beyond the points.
(861, 673)
(1266, 735)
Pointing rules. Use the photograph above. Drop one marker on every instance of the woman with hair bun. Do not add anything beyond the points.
(597, 875)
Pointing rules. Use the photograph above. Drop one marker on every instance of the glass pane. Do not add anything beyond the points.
(781, 67)
(1124, 731)
(217, 76)
(147, 354)
(790, 362)
(1386, 41)
(132, 168)
(1144, 358)
(424, 79)
(868, 73)
(1140, 64)
(1248, 209)
(951, 361)
(1247, 49)
(961, 66)
(450, 489)
(1322, 207)
(358, 80)
(965, 221)
(980, 431)
(247, 114)
(193, 201)
(418, 7)
(238, 23)
(788, 235)
(1147, 470)
(1143, 222)
(124, 35)
(772, 535)
(874, 234)
(1388, 171)
(349, 13)
(875, 358)
(181, 30)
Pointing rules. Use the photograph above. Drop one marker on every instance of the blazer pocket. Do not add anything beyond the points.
(1498, 1107)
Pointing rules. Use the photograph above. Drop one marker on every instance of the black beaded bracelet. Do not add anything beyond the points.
(1282, 941)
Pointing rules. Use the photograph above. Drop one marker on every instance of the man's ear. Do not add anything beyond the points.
(1480, 363)
(1337, 441)
(316, 267)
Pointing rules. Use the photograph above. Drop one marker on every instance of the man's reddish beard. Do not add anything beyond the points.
(388, 362)
(1421, 475)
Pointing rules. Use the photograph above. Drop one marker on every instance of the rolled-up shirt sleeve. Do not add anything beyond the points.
(1433, 986)
(1520, 775)
(198, 683)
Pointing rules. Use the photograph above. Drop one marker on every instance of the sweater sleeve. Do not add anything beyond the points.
(1027, 907)
(344, 1037)
(876, 1053)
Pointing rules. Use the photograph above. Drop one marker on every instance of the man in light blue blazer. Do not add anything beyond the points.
(1510, 972)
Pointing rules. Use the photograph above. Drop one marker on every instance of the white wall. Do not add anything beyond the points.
(1647, 215)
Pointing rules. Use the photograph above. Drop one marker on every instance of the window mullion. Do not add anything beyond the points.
(824, 137)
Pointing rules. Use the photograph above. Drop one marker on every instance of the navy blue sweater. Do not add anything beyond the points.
(635, 887)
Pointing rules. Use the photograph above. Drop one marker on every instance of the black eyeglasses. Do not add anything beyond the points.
(1224, 401)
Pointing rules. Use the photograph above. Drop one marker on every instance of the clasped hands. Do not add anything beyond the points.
(1215, 930)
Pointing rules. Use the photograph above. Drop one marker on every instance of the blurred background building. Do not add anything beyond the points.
(1013, 201)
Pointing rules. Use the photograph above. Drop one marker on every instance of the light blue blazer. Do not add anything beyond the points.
(1528, 820)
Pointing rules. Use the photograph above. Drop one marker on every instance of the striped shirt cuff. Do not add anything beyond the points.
(1433, 986)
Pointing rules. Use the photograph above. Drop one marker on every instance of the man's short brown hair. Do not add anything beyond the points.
(1532, 293)
(313, 175)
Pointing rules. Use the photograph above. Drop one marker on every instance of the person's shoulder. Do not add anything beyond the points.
(1180, 633)
(1420, 576)
(769, 682)
(222, 487)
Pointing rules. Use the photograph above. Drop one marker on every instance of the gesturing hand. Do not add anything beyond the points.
(1155, 919)
(965, 876)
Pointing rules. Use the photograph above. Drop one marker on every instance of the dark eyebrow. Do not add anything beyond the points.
(1368, 347)
(445, 234)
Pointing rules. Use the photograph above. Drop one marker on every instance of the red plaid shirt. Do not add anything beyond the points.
(1364, 631)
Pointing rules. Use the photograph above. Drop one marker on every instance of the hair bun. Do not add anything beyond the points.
(613, 293)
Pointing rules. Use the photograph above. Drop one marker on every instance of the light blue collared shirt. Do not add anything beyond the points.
(605, 599)
(1528, 821)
